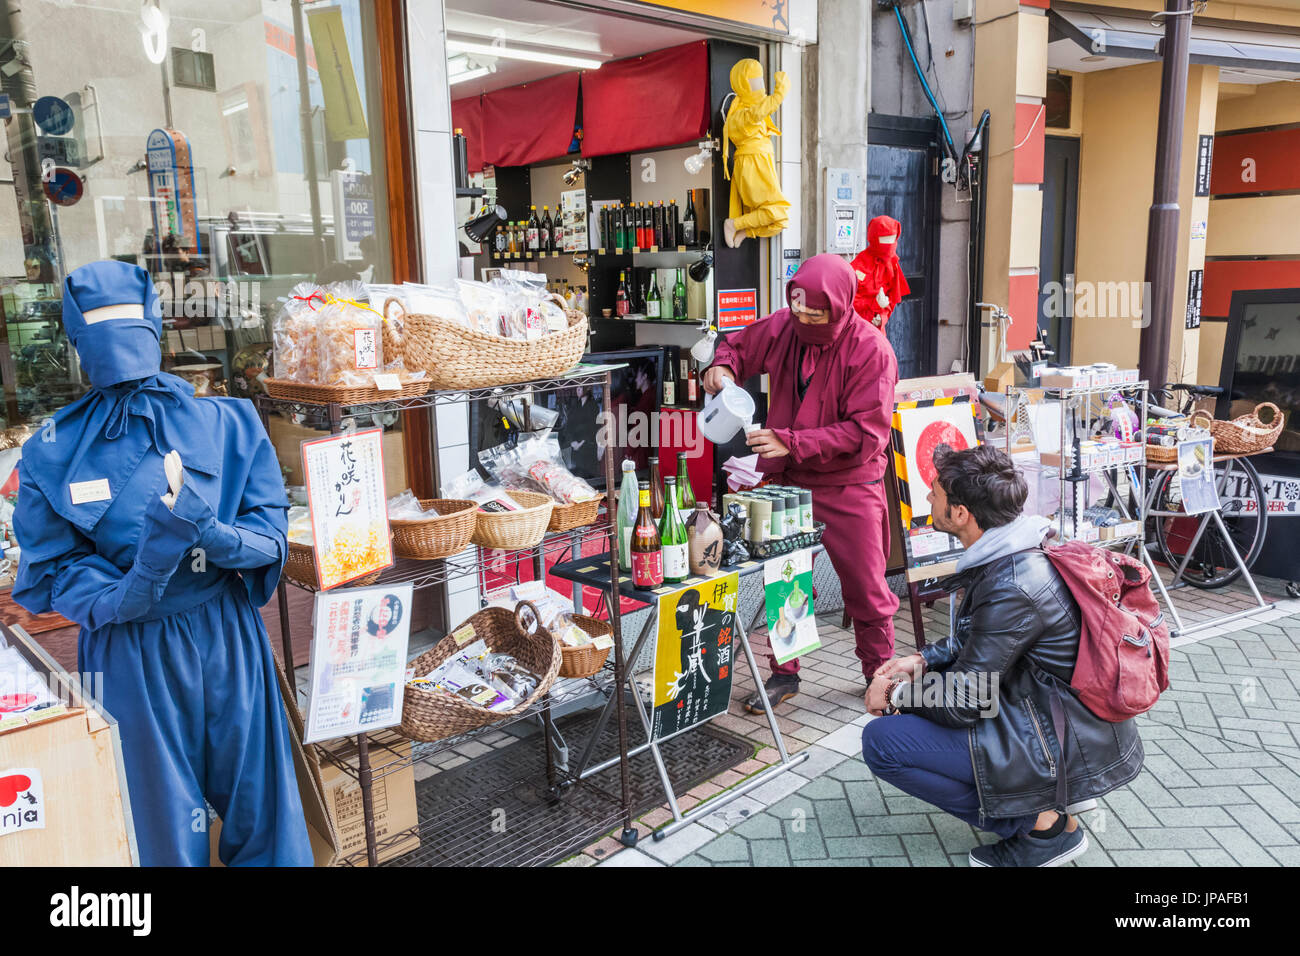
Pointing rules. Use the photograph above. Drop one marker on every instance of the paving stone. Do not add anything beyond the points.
(731, 814)
(679, 845)
(865, 798)
(1278, 805)
(899, 823)
(1194, 817)
(1221, 778)
(1262, 828)
(805, 842)
(769, 853)
(693, 860)
(765, 826)
(957, 836)
(1150, 858)
(850, 770)
(1167, 771)
(823, 788)
(1173, 838)
(835, 817)
(864, 846)
(781, 785)
(1113, 835)
(631, 857)
(1243, 849)
(1286, 855)
(729, 846)
(1094, 856)
(1212, 857)
(1211, 796)
(890, 861)
(1131, 810)
(1148, 788)
(923, 849)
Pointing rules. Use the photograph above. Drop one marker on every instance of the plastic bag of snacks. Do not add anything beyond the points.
(471, 487)
(502, 463)
(490, 680)
(300, 531)
(485, 306)
(406, 507)
(349, 337)
(540, 459)
(540, 314)
(293, 333)
(393, 326)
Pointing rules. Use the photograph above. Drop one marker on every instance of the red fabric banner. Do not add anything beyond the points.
(646, 102)
(530, 123)
(467, 116)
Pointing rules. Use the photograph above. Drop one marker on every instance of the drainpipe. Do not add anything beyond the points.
(1162, 223)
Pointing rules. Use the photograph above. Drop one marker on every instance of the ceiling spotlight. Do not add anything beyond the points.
(576, 171)
(481, 226)
(695, 162)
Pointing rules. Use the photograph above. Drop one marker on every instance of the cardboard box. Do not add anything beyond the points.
(1001, 378)
(287, 437)
(394, 803)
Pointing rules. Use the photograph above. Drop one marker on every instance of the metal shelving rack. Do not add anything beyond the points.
(1080, 407)
(376, 754)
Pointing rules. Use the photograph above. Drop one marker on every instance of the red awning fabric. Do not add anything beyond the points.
(530, 123)
(467, 116)
(646, 102)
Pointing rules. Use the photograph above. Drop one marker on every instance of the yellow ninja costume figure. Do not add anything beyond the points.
(758, 207)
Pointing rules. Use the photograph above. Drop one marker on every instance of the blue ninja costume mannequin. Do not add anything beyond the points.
(166, 583)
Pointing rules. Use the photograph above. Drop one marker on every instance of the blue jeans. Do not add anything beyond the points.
(932, 763)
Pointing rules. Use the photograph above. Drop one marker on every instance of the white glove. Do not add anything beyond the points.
(175, 477)
(882, 299)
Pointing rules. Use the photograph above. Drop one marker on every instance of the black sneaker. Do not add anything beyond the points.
(778, 688)
(1025, 850)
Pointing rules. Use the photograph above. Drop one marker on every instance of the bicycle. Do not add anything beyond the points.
(1198, 550)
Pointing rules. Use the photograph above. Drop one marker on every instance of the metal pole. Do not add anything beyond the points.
(1162, 223)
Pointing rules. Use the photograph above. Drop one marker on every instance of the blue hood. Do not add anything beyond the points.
(114, 321)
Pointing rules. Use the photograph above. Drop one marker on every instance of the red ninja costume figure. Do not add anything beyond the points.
(881, 284)
(831, 401)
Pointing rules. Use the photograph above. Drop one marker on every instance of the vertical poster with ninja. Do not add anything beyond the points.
(694, 654)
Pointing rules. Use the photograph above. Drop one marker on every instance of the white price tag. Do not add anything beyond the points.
(388, 382)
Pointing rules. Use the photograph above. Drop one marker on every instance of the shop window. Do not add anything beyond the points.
(229, 228)
(193, 69)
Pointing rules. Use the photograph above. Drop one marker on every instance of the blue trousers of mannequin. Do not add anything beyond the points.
(201, 718)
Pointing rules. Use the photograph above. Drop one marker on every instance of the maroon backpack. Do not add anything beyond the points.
(1123, 663)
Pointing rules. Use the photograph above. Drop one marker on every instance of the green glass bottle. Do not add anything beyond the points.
(672, 537)
(679, 297)
(653, 303)
(685, 492)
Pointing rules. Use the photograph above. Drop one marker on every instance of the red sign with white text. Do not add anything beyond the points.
(737, 308)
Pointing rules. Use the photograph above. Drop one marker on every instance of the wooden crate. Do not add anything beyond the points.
(79, 757)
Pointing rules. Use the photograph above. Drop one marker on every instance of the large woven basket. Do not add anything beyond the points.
(341, 394)
(585, 660)
(458, 357)
(300, 567)
(576, 515)
(1248, 434)
(515, 529)
(445, 532)
(1165, 455)
(435, 714)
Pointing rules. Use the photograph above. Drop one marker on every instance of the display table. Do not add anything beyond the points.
(595, 571)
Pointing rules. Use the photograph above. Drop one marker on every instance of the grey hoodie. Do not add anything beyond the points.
(1024, 533)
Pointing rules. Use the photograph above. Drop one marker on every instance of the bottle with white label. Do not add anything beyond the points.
(627, 509)
(672, 535)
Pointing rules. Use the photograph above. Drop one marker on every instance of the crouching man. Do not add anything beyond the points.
(974, 723)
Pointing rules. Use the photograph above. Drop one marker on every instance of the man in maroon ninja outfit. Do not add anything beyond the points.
(831, 399)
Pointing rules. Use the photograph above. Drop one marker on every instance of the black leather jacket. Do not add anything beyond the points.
(1018, 621)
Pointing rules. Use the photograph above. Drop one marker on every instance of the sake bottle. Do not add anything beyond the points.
(684, 490)
(703, 540)
(647, 555)
(672, 535)
(628, 500)
(656, 491)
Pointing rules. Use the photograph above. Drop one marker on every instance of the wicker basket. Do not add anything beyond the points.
(458, 357)
(341, 394)
(435, 714)
(440, 535)
(585, 660)
(1248, 434)
(1165, 455)
(577, 515)
(300, 567)
(511, 530)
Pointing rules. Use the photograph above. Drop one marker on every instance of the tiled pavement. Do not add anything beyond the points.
(1221, 784)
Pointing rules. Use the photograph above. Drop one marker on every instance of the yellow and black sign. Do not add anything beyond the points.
(694, 654)
(344, 116)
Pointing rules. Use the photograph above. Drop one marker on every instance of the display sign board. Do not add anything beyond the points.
(773, 15)
(844, 210)
(1195, 283)
(345, 118)
(1204, 163)
(22, 800)
(349, 506)
(63, 187)
(354, 204)
(694, 654)
(737, 308)
(920, 428)
(171, 187)
(1196, 476)
(358, 660)
(788, 599)
(790, 261)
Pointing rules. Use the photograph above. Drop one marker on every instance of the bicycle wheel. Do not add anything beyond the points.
(1245, 516)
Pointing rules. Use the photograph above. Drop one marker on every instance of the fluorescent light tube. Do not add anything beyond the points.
(536, 56)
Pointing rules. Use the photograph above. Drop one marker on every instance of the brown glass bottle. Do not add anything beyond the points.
(647, 554)
(656, 490)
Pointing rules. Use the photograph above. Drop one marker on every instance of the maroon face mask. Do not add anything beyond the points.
(823, 282)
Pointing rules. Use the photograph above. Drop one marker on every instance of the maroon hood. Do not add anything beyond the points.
(826, 282)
